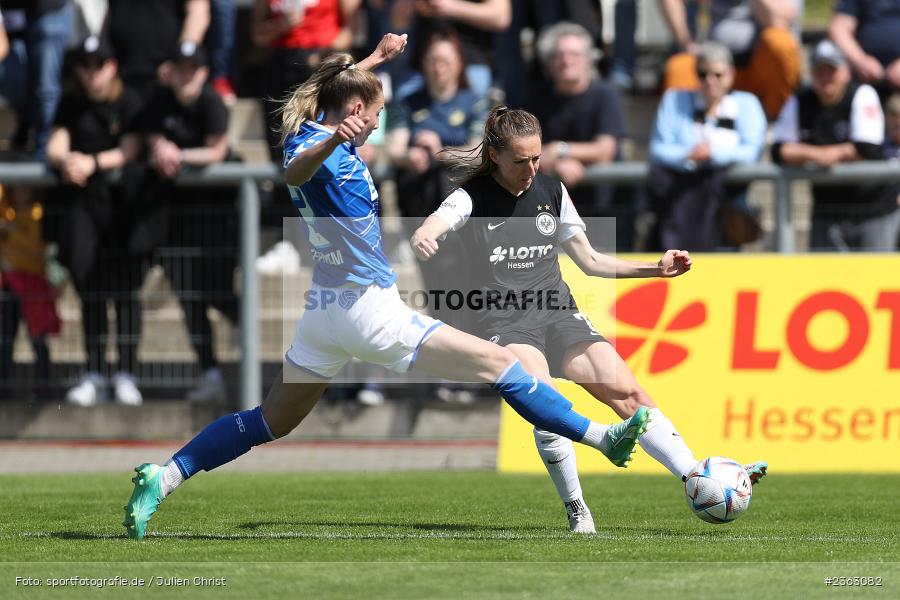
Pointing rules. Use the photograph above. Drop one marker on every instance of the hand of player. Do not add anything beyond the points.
(349, 128)
(674, 263)
(570, 171)
(419, 160)
(428, 140)
(893, 74)
(390, 47)
(423, 247)
(869, 69)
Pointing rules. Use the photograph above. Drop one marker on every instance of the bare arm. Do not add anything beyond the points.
(601, 150)
(196, 21)
(266, 28)
(4, 43)
(798, 154)
(389, 48)
(213, 151)
(774, 13)
(490, 15)
(595, 264)
(676, 18)
(58, 147)
(424, 240)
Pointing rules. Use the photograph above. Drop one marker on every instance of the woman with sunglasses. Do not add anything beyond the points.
(697, 136)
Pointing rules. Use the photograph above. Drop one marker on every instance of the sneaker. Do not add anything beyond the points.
(223, 87)
(210, 388)
(281, 259)
(455, 395)
(370, 397)
(756, 471)
(621, 439)
(126, 391)
(580, 518)
(90, 391)
(144, 499)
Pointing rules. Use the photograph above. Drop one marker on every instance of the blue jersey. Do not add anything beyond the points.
(339, 206)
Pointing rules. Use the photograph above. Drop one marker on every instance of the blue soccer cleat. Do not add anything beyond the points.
(144, 499)
(620, 440)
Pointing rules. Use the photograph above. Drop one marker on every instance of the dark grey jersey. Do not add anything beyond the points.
(511, 244)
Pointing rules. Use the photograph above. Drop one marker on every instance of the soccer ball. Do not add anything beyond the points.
(718, 490)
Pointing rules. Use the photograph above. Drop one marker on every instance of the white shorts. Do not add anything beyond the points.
(370, 323)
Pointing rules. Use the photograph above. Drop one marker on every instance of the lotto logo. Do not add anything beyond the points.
(524, 252)
(642, 308)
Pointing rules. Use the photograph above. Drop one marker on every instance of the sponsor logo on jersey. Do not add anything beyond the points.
(492, 227)
(518, 258)
(333, 258)
(545, 223)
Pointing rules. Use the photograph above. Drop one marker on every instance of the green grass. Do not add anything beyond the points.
(449, 535)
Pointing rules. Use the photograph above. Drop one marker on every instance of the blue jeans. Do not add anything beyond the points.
(14, 76)
(46, 41)
(221, 37)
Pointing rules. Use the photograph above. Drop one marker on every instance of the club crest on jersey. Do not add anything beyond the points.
(545, 223)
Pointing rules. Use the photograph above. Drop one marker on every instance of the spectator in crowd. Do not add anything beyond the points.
(446, 114)
(221, 47)
(95, 132)
(582, 121)
(892, 139)
(186, 123)
(758, 34)
(38, 31)
(143, 35)
(300, 35)
(25, 292)
(696, 136)
(833, 121)
(868, 33)
(4, 41)
(476, 21)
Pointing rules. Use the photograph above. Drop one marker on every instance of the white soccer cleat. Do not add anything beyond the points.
(90, 391)
(281, 259)
(126, 390)
(210, 388)
(580, 518)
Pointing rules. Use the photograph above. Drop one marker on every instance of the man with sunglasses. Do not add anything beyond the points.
(696, 136)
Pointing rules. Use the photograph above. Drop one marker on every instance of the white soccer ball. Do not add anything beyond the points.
(718, 490)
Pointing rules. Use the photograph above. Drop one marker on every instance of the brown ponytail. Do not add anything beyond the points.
(501, 126)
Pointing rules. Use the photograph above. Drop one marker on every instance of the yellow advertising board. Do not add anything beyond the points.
(793, 360)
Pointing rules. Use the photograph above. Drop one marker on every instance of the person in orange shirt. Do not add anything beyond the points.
(762, 38)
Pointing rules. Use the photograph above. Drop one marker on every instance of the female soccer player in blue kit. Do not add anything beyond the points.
(507, 203)
(324, 122)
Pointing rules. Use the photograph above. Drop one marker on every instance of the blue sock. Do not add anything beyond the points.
(222, 441)
(539, 403)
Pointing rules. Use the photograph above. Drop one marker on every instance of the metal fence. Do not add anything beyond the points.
(247, 177)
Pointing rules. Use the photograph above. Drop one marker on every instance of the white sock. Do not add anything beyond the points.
(665, 444)
(594, 435)
(171, 478)
(558, 455)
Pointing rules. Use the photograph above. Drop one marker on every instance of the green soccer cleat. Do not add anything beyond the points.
(620, 439)
(144, 500)
(756, 471)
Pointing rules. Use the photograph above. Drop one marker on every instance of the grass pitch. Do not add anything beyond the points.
(448, 535)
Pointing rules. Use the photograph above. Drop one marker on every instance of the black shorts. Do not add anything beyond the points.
(552, 339)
